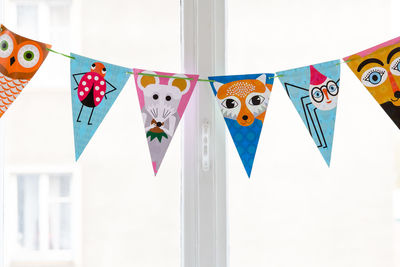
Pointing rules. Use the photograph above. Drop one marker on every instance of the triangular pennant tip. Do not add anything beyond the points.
(163, 98)
(17, 70)
(314, 92)
(95, 85)
(378, 69)
(243, 100)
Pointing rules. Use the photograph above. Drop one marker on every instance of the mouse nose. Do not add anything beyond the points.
(397, 94)
(245, 117)
(159, 124)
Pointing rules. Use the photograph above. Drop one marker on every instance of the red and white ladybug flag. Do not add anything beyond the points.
(95, 85)
(163, 101)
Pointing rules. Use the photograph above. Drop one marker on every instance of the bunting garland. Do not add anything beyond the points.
(314, 91)
(242, 99)
(378, 70)
(95, 85)
(20, 58)
(163, 98)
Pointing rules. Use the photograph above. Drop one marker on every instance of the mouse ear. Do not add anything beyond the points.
(143, 80)
(262, 78)
(182, 84)
(217, 85)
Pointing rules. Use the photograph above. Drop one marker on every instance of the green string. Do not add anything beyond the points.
(154, 75)
(51, 50)
(185, 78)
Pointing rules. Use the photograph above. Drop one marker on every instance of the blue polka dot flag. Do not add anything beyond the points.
(314, 91)
(95, 85)
(243, 100)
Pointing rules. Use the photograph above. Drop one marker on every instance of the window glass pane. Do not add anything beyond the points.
(295, 211)
(28, 211)
(114, 211)
(60, 186)
(60, 226)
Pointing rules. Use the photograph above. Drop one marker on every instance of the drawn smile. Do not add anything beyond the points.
(393, 100)
(330, 101)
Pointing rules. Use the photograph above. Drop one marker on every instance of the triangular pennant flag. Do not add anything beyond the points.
(95, 85)
(243, 100)
(378, 69)
(314, 92)
(20, 58)
(163, 98)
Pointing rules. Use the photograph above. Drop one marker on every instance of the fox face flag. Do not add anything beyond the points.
(20, 58)
(378, 70)
(314, 91)
(163, 101)
(243, 100)
(95, 85)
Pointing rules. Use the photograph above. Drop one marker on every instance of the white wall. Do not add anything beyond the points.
(295, 211)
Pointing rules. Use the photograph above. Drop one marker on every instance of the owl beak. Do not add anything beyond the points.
(12, 60)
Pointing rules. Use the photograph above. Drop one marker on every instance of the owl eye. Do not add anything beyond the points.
(317, 95)
(256, 100)
(6, 46)
(332, 88)
(374, 76)
(93, 66)
(394, 67)
(229, 103)
(28, 56)
(104, 71)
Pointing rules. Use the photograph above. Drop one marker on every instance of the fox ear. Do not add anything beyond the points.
(217, 85)
(262, 78)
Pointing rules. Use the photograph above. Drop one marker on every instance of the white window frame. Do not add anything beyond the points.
(204, 185)
(47, 256)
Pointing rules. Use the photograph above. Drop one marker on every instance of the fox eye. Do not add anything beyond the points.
(229, 103)
(256, 100)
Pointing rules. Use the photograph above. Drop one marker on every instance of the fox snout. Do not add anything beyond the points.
(245, 118)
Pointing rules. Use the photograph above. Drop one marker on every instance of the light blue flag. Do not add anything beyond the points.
(243, 100)
(94, 87)
(314, 91)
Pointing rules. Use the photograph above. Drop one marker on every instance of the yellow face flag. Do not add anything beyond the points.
(378, 68)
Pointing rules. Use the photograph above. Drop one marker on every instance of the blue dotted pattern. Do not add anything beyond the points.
(246, 140)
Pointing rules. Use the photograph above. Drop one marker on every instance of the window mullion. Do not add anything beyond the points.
(204, 234)
(44, 212)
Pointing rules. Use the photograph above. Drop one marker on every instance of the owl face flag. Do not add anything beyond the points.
(162, 102)
(243, 100)
(95, 85)
(378, 70)
(20, 58)
(314, 92)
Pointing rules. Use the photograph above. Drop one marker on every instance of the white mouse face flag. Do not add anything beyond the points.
(163, 101)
